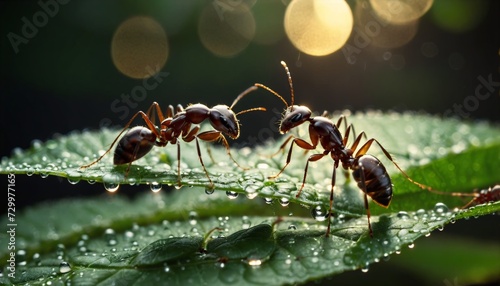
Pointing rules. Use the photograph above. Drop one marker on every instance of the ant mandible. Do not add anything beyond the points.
(369, 172)
(139, 140)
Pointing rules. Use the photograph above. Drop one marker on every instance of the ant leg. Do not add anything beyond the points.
(146, 119)
(170, 111)
(302, 144)
(282, 147)
(179, 184)
(214, 135)
(152, 108)
(367, 145)
(335, 166)
(312, 158)
(367, 207)
(201, 161)
(192, 135)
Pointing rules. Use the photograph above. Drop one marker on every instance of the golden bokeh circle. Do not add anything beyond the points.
(139, 47)
(381, 33)
(401, 11)
(318, 27)
(226, 32)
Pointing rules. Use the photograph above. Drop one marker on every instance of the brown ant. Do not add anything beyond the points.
(369, 173)
(139, 140)
(492, 194)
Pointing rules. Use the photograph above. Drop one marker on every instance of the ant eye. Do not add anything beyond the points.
(296, 117)
(225, 122)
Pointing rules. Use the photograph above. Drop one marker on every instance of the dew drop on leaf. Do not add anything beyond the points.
(111, 182)
(319, 214)
(245, 222)
(403, 215)
(284, 202)
(193, 216)
(155, 187)
(268, 201)
(64, 267)
(441, 209)
(232, 195)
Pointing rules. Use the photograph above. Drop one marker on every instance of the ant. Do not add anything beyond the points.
(139, 140)
(492, 194)
(369, 172)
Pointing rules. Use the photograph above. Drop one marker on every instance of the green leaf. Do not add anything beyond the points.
(191, 237)
(448, 155)
(244, 250)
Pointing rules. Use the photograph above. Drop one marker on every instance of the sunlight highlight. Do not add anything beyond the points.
(318, 27)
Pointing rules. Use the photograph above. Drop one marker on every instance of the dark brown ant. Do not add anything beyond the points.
(369, 173)
(492, 194)
(139, 140)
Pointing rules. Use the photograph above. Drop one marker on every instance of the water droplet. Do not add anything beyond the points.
(73, 180)
(232, 195)
(21, 257)
(268, 201)
(403, 215)
(209, 190)
(178, 187)
(166, 269)
(44, 175)
(64, 267)
(245, 222)
(292, 227)
(30, 172)
(254, 262)
(284, 202)
(111, 182)
(411, 246)
(73, 176)
(441, 209)
(192, 217)
(365, 268)
(110, 236)
(319, 214)
(155, 187)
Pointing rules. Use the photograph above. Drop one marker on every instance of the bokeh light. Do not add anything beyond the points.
(318, 27)
(139, 47)
(225, 29)
(400, 11)
(458, 15)
(380, 32)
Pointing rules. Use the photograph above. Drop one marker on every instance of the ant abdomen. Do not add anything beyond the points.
(374, 179)
(136, 143)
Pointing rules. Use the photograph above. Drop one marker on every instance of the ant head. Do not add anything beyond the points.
(294, 116)
(224, 120)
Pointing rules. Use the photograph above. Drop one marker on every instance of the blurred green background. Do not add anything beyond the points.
(58, 71)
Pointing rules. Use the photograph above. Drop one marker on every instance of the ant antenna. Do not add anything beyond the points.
(289, 81)
(247, 91)
(273, 92)
(251, 109)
